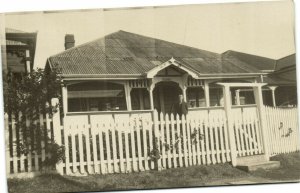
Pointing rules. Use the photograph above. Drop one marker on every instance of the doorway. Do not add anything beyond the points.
(165, 95)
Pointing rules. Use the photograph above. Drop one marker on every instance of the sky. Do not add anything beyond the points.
(261, 28)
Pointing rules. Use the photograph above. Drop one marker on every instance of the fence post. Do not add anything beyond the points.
(7, 145)
(227, 107)
(57, 130)
(262, 117)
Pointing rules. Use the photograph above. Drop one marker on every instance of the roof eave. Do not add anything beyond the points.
(100, 76)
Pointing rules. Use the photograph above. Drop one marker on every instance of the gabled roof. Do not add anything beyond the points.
(124, 53)
(259, 62)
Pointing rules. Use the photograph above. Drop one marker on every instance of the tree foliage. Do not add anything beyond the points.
(28, 92)
(30, 95)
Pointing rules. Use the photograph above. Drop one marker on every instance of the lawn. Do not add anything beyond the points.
(221, 174)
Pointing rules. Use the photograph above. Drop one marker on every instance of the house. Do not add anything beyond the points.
(129, 72)
(18, 51)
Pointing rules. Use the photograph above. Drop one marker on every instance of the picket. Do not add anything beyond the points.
(144, 127)
(173, 141)
(186, 155)
(120, 142)
(168, 141)
(197, 129)
(226, 137)
(180, 155)
(208, 151)
(29, 155)
(139, 147)
(223, 150)
(203, 152)
(189, 149)
(151, 142)
(161, 139)
(100, 129)
(114, 146)
(217, 144)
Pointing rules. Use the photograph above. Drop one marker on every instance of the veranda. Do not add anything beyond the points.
(131, 141)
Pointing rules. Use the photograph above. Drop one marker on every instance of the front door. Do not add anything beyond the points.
(165, 95)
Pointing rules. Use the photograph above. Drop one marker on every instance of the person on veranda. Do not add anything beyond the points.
(181, 107)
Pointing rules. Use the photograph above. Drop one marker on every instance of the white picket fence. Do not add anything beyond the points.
(282, 129)
(19, 164)
(151, 141)
(110, 146)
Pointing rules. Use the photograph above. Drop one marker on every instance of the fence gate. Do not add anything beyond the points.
(246, 134)
(247, 131)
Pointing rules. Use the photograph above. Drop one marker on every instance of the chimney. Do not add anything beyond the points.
(69, 41)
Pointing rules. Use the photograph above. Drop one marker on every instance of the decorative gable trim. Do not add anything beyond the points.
(168, 63)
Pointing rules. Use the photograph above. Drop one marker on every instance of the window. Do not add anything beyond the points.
(140, 99)
(216, 96)
(96, 96)
(244, 95)
(195, 97)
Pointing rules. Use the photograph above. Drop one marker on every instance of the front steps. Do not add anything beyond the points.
(255, 162)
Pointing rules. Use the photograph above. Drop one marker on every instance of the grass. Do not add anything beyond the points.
(289, 168)
(180, 177)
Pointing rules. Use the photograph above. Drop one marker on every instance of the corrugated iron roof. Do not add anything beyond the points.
(127, 53)
(285, 62)
(286, 76)
(258, 62)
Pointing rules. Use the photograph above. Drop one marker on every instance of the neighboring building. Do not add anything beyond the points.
(18, 52)
(127, 72)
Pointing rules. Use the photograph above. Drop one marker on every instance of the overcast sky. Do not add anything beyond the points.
(264, 28)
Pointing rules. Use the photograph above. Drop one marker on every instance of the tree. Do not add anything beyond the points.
(30, 94)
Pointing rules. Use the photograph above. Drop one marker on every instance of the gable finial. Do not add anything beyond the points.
(172, 60)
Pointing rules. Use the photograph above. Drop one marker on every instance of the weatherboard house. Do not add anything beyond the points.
(116, 112)
(129, 73)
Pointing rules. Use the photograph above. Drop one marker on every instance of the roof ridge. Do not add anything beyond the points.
(248, 54)
(169, 42)
(13, 30)
(286, 56)
(83, 44)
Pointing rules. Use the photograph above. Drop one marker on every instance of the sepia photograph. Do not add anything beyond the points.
(150, 97)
